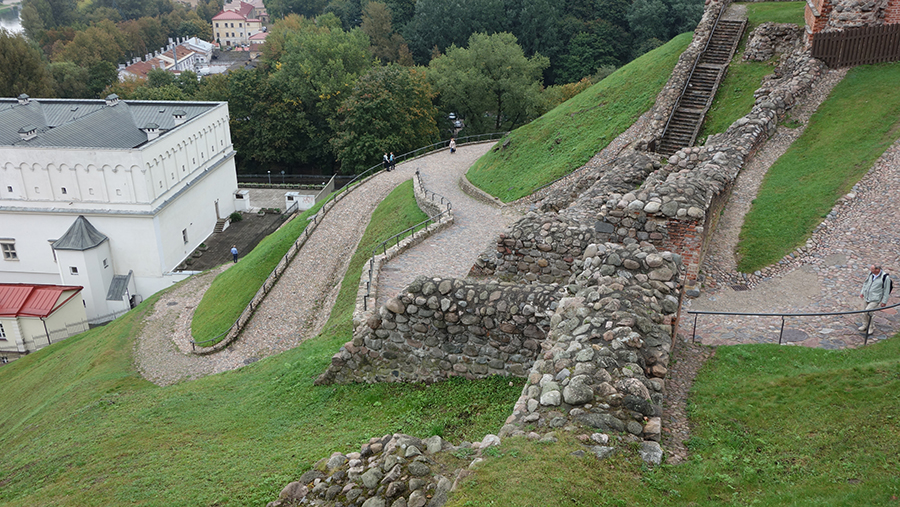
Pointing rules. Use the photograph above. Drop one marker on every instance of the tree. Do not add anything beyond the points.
(491, 82)
(100, 42)
(389, 109)
(320, 65)
(604, 45)
(23, 68)
(438, 23)
(70, 80)
(376, 23)
(100, 75)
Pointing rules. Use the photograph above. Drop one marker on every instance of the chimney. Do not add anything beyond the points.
(24, 99)
(170, 40)
(112, 99)
(152, 131)
(28, 132)
(178, 115)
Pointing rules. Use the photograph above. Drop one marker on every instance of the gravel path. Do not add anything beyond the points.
(451, 252)
(295, 309)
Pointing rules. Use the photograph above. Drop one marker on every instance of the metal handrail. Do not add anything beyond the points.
(336, 196)
(869, 313)
(693, 68)
(396, 238)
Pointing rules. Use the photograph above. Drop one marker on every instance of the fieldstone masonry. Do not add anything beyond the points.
(588, 297)
(769, 39)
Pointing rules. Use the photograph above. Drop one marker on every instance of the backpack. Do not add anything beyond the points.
(890, 283)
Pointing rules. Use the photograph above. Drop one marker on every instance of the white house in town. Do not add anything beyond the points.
(180, 55)
(34, 316)
(110, 195)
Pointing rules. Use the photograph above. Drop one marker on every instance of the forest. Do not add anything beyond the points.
(341, 81)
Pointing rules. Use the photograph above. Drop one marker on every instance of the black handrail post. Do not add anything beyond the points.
(694, 331)
(780, 333)
(868, 326)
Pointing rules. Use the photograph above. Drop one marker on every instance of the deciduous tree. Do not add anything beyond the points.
(23, 71)
(389, 109)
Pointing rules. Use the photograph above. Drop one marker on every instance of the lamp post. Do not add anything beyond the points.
(270, 177)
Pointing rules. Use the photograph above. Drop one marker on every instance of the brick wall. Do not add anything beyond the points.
(892, 12)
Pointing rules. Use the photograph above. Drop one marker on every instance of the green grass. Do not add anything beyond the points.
(734, 98)
(771, 425)
(80, 428)
(234, 288)
(568, 136)
(851, 129)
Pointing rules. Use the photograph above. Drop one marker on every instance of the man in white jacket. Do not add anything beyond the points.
(875, 292)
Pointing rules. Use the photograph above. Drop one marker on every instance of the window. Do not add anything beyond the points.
(9, 250)
(37, 190)
(118, 191)
(105, 263)
(73, 270)
(217, 25)
(184, 235)
(2, 334)
(240, 25)
(91, 191)
(64, 190)
(9, 189)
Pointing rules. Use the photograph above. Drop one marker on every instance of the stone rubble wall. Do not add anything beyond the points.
(856, 13)
(769, 39)
(684, 194)
(610, 342)
(442, 328)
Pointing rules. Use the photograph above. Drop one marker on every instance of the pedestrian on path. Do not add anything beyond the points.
(386, 162)
(393, 162)
(875, 292)
(452, 145)
(234, 253)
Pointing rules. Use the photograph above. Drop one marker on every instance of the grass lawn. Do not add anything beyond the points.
(567, 137)
(771, 425)
(851, 129)
(734, 98)
(234, 288)
(80, 428)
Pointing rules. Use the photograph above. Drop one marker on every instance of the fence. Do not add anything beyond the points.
(783, 315)
(55, 335)
(858, 46)
(232, 332)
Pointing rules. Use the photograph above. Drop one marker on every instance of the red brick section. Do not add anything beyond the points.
(892, 12)
(686, 239)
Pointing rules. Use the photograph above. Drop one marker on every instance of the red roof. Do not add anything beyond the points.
(228, 15)
(25, 300)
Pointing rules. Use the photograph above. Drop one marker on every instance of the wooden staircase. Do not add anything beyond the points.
(689, 112)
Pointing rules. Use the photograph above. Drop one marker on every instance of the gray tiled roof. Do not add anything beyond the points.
(76, 123)
(80, 236)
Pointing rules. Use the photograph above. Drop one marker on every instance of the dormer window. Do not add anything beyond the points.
(24, 99)
(28, 132)
(112, 99)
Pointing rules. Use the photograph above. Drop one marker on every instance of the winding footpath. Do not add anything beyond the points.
(300, 303)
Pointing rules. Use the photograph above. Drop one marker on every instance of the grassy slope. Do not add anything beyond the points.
(734, 98)
(851, 129)
(568, 136)
(80, 428)
(770, 426)
(233, 289)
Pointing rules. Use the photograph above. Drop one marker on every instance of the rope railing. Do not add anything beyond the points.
(697, 313)
(319, 216)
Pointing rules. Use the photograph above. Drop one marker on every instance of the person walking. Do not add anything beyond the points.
(875, 291)
(386, 162)
(393, 162)
(234, 253)
(452, 145)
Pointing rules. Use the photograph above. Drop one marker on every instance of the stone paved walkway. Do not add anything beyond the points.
(301, 301)
(824, 277)
(451, 252)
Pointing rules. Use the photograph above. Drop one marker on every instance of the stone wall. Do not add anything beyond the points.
(446, 327)
(856, 13)
(769, 39)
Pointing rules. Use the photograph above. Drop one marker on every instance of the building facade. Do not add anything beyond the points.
(110, 195)
(235, 27)
(34, 316)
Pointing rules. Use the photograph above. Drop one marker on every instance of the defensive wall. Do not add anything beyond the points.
(581, 297)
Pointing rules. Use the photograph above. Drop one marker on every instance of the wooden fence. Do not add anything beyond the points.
(858, 46)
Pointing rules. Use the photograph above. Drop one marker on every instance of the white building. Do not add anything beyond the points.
(110, 195)
(190, 54)
(34, 316)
